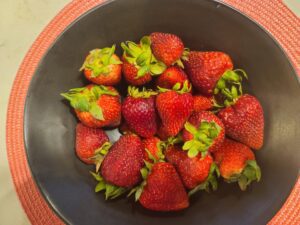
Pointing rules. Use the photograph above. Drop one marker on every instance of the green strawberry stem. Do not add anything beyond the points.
(183, 57)
(203, 137)
(211, 182)
(141, 56)
(134, 92)
(186, 88)
(229, 88)
(111, 191)
(250, 173)
(100, 153)
(99, 60)
(85, 99)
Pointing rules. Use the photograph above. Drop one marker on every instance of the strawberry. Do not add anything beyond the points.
(205, 69)
(197, 173)
(88, 141)
(124, 128)
(172, 76)
(121, 166)
(163, 189)
(96, 105)
(244, 121)
(202, 103)
(167, 48)
(202, 133)
(237, 163)
(174, 108)
(139, 64)
(139, 112)
(153, 147)
(102, 66)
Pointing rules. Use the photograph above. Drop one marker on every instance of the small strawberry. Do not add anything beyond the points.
(162, 189)
(244, 121)
(102, 66)
(96, 106)
(122, 164)
(139, 112)
(174, 108)
(139, 64)
(153, 147)
(88, 141)
(172, 76)
(237, 163)
(202, 133)
(202, 103)
(205, 69)
(197, 173)
(167, 48)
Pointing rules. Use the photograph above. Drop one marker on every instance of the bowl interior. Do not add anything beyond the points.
(203, 25)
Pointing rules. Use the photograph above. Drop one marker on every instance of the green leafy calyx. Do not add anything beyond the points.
(211, 182)
(250, 173)
(203, 137)
(85, 99)
(186, 88)
(100, 153)
(134, 92)
(229, 88)
(111, 191)
(99, 60)
(183, 57)
(140, 55)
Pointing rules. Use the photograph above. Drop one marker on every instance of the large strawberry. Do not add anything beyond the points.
(205, 69)
(172, 76)
(197, 173)
(96, 106)
(237, 163)
(121, 166)
(88, 142)
(244, 121)
(174, 108)
(102, 66)
(167, 48)
(202, 133)
(202, 103)
(138, 110)
(162, 189)
(139, 64)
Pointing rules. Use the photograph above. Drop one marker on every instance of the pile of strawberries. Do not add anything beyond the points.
(179, 137)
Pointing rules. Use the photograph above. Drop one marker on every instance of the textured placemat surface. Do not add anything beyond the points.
(272, 15)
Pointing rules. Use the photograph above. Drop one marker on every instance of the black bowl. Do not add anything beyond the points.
(203, 25)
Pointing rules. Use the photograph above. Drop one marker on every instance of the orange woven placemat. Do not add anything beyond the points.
(273, 15)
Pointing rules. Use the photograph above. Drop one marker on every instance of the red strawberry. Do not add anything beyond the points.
(237, 163)
(196, 172)
(244, 121)
(122, 164)
(139, 112)
(174, 108)
(202, 103)
(139, 63)
(152, 146)
(167, 48)
(88, 141)
(163, 190)
(202, 133)
(102, 66)
(96, 106)
(124, 128)
(206, 68)
(172, 76)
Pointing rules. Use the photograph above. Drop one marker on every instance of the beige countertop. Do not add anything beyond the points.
(21, 21)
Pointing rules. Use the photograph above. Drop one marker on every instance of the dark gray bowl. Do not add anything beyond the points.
(203, 25)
